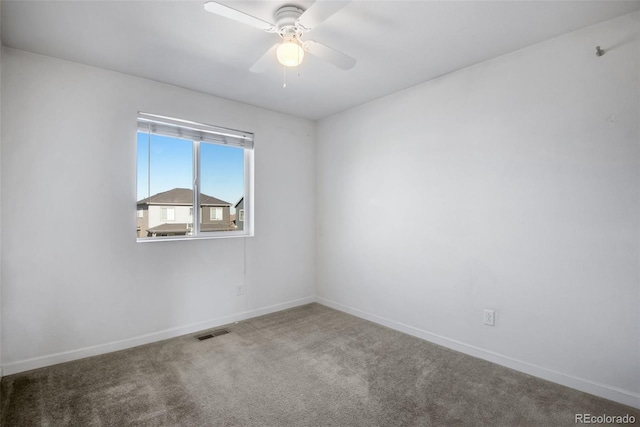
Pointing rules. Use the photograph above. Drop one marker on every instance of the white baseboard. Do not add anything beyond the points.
(617, 395)
(67, 356)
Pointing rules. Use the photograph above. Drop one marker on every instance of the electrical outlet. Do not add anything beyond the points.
(239, 290)
(489, 317)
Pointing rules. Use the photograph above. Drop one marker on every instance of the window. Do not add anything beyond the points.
(167, 214)
(140, 213)
(241, 215)
(215, 214)
(182, 164)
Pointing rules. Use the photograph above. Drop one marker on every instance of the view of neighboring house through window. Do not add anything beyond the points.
(176, 158)
(240, 214)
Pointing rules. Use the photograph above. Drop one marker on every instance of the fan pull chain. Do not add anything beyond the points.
(284, 76)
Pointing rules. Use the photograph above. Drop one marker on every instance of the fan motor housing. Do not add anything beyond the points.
(287, 16)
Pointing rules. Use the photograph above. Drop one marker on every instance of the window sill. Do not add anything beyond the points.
(218, 235)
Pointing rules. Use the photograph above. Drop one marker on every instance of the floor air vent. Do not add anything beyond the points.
(213, 334)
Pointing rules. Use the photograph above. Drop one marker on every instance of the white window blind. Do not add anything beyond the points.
(185, 129)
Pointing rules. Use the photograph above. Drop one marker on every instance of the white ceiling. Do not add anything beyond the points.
(397, 43)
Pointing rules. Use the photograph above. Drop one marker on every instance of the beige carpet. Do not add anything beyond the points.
(308, 366)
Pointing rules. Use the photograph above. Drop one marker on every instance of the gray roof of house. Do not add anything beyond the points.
(181, 196)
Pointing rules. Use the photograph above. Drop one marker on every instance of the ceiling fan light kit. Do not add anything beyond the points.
(289, 53)
(291, 23)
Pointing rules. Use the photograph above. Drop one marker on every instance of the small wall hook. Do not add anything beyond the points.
(599, 51)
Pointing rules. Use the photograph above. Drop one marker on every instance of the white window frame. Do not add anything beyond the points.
(198, 133)
(164, 213)
(216, 209)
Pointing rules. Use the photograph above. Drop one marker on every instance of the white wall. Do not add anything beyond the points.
(79, 284)
(515, 186)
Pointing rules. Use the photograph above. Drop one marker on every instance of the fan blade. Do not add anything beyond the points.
(321, 51)
(319, 11)
(236, 15)
(265, 60)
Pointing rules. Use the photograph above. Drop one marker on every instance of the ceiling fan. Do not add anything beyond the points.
(291, 23)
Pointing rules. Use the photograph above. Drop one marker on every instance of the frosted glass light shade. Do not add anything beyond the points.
(290, 54)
